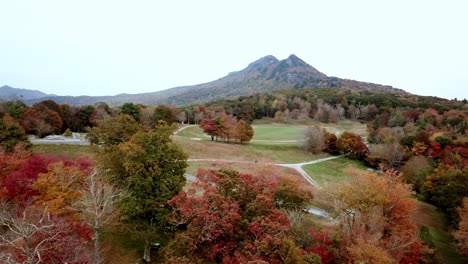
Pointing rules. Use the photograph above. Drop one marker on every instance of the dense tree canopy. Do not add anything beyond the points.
(12, 135)
(151, 170)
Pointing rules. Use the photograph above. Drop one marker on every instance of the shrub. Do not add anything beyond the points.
(68, 133)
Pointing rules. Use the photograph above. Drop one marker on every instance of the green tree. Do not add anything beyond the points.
(113, 131)
(11, 135)
(132, 110)
(150, 167)
(164, 113)
(446, 187)
(14, 108)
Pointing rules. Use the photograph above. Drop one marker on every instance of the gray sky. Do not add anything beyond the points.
(108, 47)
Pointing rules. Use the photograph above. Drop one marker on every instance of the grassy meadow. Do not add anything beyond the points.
(332, 171)
(70, 151)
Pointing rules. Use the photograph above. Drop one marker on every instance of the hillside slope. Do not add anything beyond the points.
(10, 93)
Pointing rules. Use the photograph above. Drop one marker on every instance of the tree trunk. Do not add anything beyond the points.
(97, 247)
(212, 138)
(29, 253)
(147, 252)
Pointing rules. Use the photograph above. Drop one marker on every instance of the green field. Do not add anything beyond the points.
(192, 132)
(254, 151)
(331, 171)
(439, 237)
(71, 151)
(262, 132)
(278, 132)
(268, 130)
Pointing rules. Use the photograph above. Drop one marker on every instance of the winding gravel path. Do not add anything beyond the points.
(295, 166)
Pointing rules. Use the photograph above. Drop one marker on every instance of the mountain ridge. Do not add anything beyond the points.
(262, 75)
(11, 93)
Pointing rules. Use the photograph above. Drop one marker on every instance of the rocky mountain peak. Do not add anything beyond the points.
(262, 63)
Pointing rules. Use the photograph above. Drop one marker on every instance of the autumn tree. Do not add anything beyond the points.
(227, 126)
(164, 113)
(368, 252)
(49, 119)
(12, 161)
(67, 115)
(330, 144)
(352, 145)
(84, 117)
(18, 184)
(290, 194)
(416, 170)
(377, 210)
(210, 127)
(96, 205)
(12, 135)
(30, 121)
(314, 139)
(461, 235)
(113, 131)
(446, 187)
(233, 221)
(390, 155)
(150, 168)
(59, 188)
(244, 131)
(32, 236)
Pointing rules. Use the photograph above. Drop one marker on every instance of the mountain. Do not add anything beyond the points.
(263, 75)
(269, 74)
(10, 93)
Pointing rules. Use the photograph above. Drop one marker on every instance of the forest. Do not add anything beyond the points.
(58, 209)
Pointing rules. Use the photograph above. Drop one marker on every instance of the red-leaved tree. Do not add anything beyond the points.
(233, 221)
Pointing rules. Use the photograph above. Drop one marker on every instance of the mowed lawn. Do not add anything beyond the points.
(254, 151)
(70, 151)
(278, 132)
(261, 132)
(332, 171)
(268, 130)
(192, 132)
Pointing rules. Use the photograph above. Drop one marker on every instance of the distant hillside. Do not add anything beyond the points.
(10, 93)
(263, 75)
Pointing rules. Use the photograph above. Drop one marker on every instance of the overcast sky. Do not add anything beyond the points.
(108, 47)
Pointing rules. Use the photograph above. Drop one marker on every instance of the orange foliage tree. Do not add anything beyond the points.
(59, 188)
(227, 127)
(353, 145)
(378, 210)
